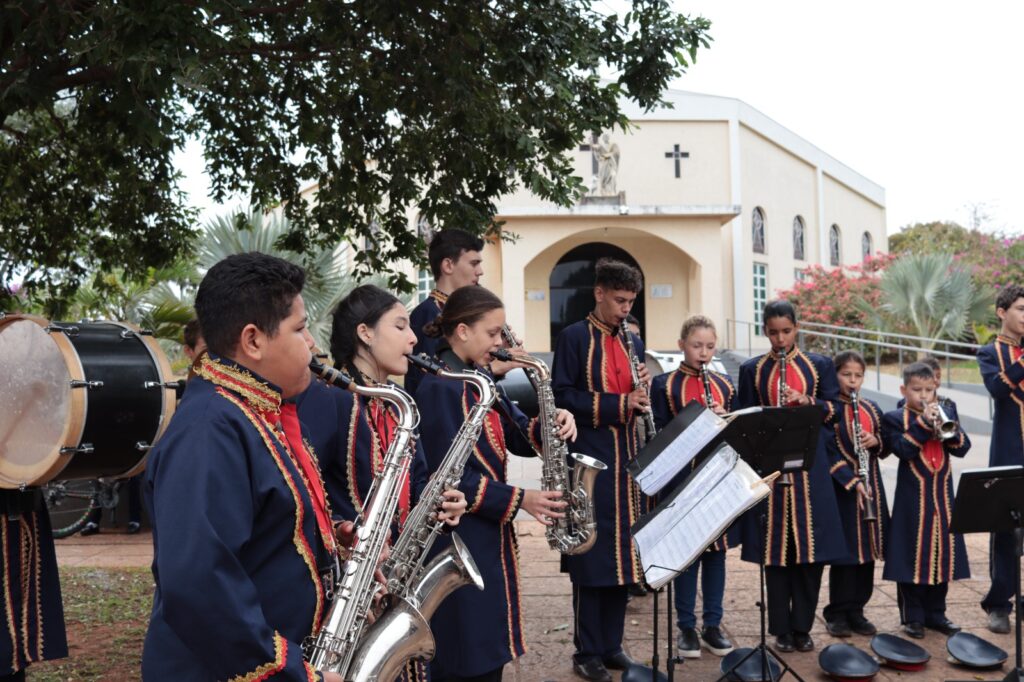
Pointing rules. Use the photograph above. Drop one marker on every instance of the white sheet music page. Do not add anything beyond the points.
(698, 516)
(680, 452)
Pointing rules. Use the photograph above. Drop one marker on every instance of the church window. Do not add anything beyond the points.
(834, 254)
(758, 230)
(866, 246)
(799, 275)
(798, 238)
(760, 296)
(424, 284)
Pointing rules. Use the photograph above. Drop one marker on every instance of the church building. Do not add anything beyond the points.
(718, 205)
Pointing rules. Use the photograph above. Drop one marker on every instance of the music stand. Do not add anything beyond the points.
(992, 501)
(773, 439)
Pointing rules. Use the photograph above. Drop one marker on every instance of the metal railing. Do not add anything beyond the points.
(838, 338)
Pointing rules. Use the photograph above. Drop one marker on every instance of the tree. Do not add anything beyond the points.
(948, 237)
(929, 296)
(384, 105)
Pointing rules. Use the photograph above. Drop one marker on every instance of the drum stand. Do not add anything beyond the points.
(762, 649)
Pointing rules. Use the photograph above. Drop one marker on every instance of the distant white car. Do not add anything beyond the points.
(659, 362)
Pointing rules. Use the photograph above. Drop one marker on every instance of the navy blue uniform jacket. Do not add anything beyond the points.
(237, 554)
(805, 511)
(423, 314)
(1002, 369)
(479, 631)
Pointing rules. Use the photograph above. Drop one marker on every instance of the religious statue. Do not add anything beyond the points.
(607, 154)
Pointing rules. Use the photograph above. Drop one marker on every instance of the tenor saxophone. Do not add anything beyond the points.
(417, 588)
(863, 457)
(576, 531)
(334, 646)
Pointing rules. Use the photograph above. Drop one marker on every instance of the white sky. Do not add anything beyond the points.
(917, 96)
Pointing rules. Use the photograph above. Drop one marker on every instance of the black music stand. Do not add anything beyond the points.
(773, 439)
(992, 501)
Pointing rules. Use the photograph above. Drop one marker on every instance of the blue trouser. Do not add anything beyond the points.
(924, 604)
(600, 620)
(711, 566)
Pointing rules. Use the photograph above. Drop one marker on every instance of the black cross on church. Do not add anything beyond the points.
(590, 148)
(676, 154)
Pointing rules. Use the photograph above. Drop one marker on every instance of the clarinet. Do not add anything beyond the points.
(863, 457)
(645, 425)
(705, 379)
(785, 479)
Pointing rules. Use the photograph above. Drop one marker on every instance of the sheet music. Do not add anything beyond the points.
(680, 452)
(697, 516)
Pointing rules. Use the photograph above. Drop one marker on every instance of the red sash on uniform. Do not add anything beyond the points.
(293, 434)
(384, 425)
(933, 453)
(619, 378)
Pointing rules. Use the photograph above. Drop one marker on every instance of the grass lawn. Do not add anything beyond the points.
(963, 371)
(106, 612)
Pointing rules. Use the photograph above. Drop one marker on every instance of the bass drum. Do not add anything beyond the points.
(80, 400)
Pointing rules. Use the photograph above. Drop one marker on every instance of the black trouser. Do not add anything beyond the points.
(849, 590)
(792, 597)
(134, 490)
(600, 617)
(493, 676)
(924, 604)
(1002, 554)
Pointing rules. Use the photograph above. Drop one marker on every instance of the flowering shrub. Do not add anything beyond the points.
(829, 296)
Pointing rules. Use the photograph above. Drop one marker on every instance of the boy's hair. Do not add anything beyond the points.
(245, 288)
(618, 276)
(450, 243)
(696, 322)
(1008, 296)
(932, 362)
(192, 333)
(466, 305)
(778, 308)
(917, 370)
(630, 319)
(846, 357)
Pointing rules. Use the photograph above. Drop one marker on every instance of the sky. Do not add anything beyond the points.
(916, 96)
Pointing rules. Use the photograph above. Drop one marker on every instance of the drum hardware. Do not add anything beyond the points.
(78, 383)
(83, 449)
(172, 385)
(71, 330)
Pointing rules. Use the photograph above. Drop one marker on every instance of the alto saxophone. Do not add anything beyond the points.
(645, 425)
(863, 457)
(576, 531)
(416, 588)
(334, 646)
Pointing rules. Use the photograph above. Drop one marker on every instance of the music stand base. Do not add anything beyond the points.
(642, 673)
(1015, 676)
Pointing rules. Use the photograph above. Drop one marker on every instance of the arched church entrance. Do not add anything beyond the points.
(571, 285)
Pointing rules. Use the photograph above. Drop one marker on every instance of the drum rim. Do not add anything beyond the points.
(74, 425)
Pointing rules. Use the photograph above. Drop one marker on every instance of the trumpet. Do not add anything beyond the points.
(943, 425)
(863, 458)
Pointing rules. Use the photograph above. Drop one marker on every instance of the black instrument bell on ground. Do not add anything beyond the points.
(974, 652)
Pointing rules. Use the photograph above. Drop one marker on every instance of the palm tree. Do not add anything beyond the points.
(930, 296)
(327, 279)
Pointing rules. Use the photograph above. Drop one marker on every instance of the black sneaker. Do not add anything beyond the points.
(592, 669)
(999, 622)
(803, 641)
(838, 628)
(134, 527)
(90, 529)
(863, 626)
(945, 626)
(688, 643)
(715, 641)
(915, 630)
(784, 643)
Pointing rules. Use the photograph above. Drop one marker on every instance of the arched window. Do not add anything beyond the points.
(866, 247)
(798, 238)
(758, 230)
(834, 254)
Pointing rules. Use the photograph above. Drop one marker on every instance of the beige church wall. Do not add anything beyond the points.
(667, 250)
(647, 177)
(855, 215)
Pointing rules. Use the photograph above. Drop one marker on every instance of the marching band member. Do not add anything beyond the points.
(804, 531)
(455, 261)
(670, 393)
(243, 542)
(370, 338)
(851, 580)
(1002, 368)
(922, 556)
(478, 632)
(591, 377)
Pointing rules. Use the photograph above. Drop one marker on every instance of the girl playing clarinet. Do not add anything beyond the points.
(670, 393)
(801, 534)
